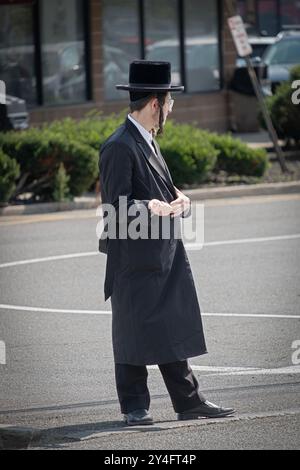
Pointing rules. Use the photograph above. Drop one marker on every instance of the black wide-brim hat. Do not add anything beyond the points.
(145, 75)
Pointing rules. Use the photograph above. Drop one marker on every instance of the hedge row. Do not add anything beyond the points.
(60, 160)
(192, 153)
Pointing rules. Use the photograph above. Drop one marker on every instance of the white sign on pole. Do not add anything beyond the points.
(239, 36)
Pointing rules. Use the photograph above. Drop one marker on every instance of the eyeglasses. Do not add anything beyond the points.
(170, 103)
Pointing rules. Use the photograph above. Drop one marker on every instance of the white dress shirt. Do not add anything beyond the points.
(146, 134)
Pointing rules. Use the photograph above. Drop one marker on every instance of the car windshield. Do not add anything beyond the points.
(205, 55)
(283, 52)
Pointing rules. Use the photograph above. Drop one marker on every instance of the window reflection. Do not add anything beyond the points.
(121, 41)
(162, 34)
(267, 17)
(63, 54)
(201, 46)
(17, 51)
(121, 44)
(247, 10)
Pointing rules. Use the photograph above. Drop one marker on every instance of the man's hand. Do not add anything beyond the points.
(160, 207)
(181, 204)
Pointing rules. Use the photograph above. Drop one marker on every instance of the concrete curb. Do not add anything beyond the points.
(20, 438)
(48, 207)
(243, 190)
(219, 192)
(16, 437)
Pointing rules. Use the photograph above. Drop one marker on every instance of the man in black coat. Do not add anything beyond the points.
(156, 317)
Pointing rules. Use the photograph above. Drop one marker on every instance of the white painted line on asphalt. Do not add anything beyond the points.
(250, 200)
(109, 312)
(188, 246)
(242, 370)
(214, 368)
(276, 371)
(250, 315)
(54, 310)
(242, 240)
(48, 258)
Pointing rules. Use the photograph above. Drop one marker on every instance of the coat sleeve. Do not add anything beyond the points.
(116, 173)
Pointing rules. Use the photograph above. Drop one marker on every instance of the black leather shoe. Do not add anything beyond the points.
(205, 410)
(138, 417)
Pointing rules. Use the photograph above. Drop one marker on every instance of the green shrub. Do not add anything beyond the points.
(284, 113)
(60, 159)
(92, 130)
(236, 157)
(9, 173)
(61, 191)
(192, 153)
(39, 154)
(189, 155)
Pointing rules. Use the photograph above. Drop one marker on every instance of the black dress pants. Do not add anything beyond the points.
(181, 383)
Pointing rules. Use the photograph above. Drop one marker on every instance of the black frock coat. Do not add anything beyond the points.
(156, 315)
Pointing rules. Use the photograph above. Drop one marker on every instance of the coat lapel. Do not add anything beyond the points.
(151, 158)
(165, 165)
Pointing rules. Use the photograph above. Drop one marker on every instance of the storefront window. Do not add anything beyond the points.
(162, 34)
(201, 46)
(63, 51)
(121, 43)
(160, 22)
(290, 13)
(17, 51)
(62, 45)
(247, 10)
(268, 17)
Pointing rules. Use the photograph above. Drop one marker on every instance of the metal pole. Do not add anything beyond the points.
(230, 6)
(268, 121)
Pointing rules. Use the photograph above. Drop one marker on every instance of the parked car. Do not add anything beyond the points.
(241, 82)
(17, 71)
(13, 114)
(259, 44)
(243, 99)
(279, 58)
(63, 69)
